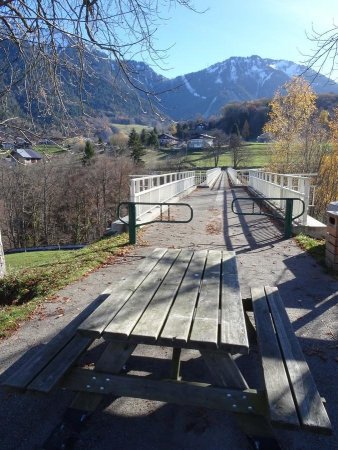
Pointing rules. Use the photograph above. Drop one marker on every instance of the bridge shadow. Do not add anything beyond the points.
(258, 231)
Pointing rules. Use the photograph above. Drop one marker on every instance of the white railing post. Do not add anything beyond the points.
(158, 189)
(306, 199)
(281, 186)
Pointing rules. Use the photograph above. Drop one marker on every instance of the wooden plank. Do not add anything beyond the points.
(126, 319)
(112, 360)
(224, 370)
(182, 393)
(311, 410)
(114, 357)
(55, 370)
(177, 327)
(26, 372)
(232, 338)
(205, 324)
(281, 404)
(150, 324)
(95, 324)
(39, 360)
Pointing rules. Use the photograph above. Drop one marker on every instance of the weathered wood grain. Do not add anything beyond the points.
(310, 407)
(281, 404)
(182, 393)
(150, 324)
(177, 327)
(95, 324)
(223, 369)
(63, 361)
(128, 316)
(205, 324)
(233, 338)
(21, 378)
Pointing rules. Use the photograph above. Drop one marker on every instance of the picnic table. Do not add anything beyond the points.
(185, 299)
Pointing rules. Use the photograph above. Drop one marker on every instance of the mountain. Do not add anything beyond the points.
(204, 93)
(236, 79)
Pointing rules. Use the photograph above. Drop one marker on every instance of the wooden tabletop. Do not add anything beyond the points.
(177, 298)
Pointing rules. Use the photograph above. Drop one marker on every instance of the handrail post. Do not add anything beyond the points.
(288, 218)
(306, 199)
(132, 222)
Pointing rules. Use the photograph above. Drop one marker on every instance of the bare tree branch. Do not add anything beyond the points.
(49, 43)
(325, 51)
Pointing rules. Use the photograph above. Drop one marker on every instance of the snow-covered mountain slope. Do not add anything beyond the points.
(235, 79)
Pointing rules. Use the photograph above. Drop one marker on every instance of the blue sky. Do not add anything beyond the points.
(268, 28)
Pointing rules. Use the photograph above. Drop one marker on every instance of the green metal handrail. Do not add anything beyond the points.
(132, 225)
(288, 210)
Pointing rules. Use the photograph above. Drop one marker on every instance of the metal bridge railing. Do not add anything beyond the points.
(256, 206)
(282, 186)
(131, 219)
(146, 191)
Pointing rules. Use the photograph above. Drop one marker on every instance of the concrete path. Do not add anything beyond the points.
(264, 258)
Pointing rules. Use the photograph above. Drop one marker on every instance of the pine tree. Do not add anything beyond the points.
(153, 139)
(135, 145)
(144, 136)
(133, 138)
(88, 153)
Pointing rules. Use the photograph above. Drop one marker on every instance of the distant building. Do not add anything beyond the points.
(25, 156)
(7, 145)
(201, 141)
(201, 126)
(167, 140)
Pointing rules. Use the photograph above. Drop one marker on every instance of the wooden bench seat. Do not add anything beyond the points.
(43, 371)
(292, 394)
(48, 365)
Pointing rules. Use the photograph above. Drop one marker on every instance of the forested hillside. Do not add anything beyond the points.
(102, 91)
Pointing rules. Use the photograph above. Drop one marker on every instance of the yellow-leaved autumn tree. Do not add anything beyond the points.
(327, 180)
(300, 134)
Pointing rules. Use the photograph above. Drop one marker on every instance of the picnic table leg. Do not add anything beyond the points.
(176, 364)
(112, 360)
(226, 373)
(67, 432)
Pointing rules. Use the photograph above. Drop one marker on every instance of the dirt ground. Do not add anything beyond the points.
(264, 258)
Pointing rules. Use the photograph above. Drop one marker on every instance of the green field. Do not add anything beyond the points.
(127, 128)
(49, 149)
(257, 155)
(33, 277)
(17, 261)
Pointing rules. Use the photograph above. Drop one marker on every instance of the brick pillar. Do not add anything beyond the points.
(331, 247)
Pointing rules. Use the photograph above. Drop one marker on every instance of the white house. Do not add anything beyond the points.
(202, 141)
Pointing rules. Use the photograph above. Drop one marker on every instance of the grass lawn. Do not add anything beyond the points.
(34, 277)
(17, 261)
(127, 128)
(258, 155)
(49, 149)
(315, 247)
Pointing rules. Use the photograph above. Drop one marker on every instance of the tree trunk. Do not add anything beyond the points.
(2, 260)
